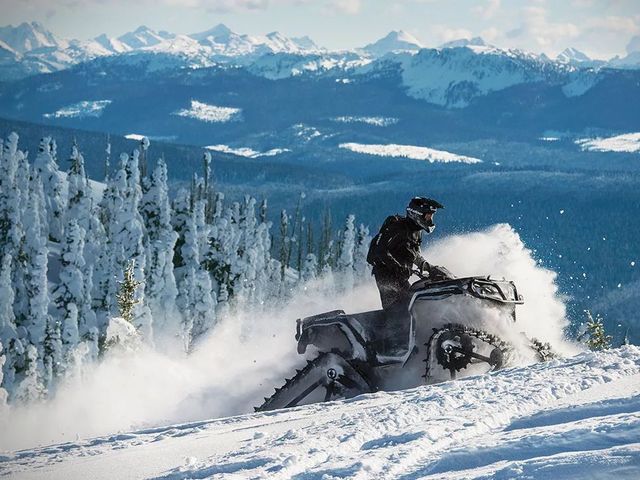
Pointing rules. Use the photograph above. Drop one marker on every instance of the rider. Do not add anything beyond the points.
(396, 249)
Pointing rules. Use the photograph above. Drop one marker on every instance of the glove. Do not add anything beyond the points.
(425, 268)
(437, 273)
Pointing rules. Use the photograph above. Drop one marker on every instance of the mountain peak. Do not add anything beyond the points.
(28, 36)
(396, 40)
(465, 42)
(572, 55)
(305, 42)
(633, 45)
(143, 36)
(219, 31)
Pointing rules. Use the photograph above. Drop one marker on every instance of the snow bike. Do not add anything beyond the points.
(447, 328)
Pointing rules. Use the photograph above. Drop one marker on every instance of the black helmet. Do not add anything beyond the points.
(418, 207)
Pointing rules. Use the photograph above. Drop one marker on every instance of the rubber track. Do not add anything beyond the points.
(481, 335)
(311, 364)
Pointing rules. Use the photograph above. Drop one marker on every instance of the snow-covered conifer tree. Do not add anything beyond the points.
(3, 392)
(223, 252)
(70, 295)
(360, 265)
(31, 387)
(309, 267)
(161, 290)
(54, 189)
(43, 331)
(8, 333)
(79, 205)
(127, 233)
(194, 284)
(248, 257)
(284, 242)
(345, 255)
(204, 306)
(10, 197)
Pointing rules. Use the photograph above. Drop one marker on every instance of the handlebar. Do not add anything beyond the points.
(435, 274)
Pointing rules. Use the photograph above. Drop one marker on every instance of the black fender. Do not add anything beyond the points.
(333, 331)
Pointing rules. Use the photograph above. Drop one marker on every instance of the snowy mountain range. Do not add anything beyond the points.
(30, 48)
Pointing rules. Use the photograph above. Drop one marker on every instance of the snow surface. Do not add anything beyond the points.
(574, 418)
(210, 113)
(628, 142)
(246, 151)
(409, 151)
(375, 121)
(134, 136)
(84, 109)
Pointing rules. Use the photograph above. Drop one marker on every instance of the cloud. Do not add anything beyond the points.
(349, 7)
(222, 6)
(490, 34)
(537, 29)
(612, 24)
(488, 10)
(446, 34)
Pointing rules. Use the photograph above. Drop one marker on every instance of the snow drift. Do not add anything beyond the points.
(249, 353)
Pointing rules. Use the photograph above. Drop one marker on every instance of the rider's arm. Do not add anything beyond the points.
(398, 254)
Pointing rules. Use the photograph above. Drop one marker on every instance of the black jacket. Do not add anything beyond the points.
(396, 248)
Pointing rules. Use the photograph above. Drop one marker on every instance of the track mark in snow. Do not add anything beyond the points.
(392, 440)
(577, 413)
(583, 436)
(206, 472)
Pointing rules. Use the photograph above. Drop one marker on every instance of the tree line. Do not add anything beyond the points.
(73, 251)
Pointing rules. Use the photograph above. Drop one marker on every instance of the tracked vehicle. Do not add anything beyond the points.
(447, 328)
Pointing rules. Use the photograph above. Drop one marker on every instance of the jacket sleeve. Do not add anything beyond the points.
(396, 252)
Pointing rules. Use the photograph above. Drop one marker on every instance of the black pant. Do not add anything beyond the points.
(391, 286)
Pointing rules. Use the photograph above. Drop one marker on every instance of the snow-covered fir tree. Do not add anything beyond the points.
(42, 331)
(31, 387)
(10, 197)
(3, 393)
(345, 261)
(71, 296)
(309, 268)
(361, 268)
(54, 187)
(195, 299)
(161, 289)
(8, 332)
(127, 234)
(79, 203)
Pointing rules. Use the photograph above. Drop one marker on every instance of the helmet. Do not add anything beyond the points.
(418, 208)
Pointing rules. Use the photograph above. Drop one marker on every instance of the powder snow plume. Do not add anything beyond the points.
(248, 354)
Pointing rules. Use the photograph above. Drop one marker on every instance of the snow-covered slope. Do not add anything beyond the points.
(409, 151)
(573, 418)
(454, 76)
(628, 142)
(143, 36)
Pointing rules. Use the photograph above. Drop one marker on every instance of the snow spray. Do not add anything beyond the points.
(249, 353)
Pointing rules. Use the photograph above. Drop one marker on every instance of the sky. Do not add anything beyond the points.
(600, 28)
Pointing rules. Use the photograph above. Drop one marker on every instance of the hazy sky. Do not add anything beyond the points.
(601, 28)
